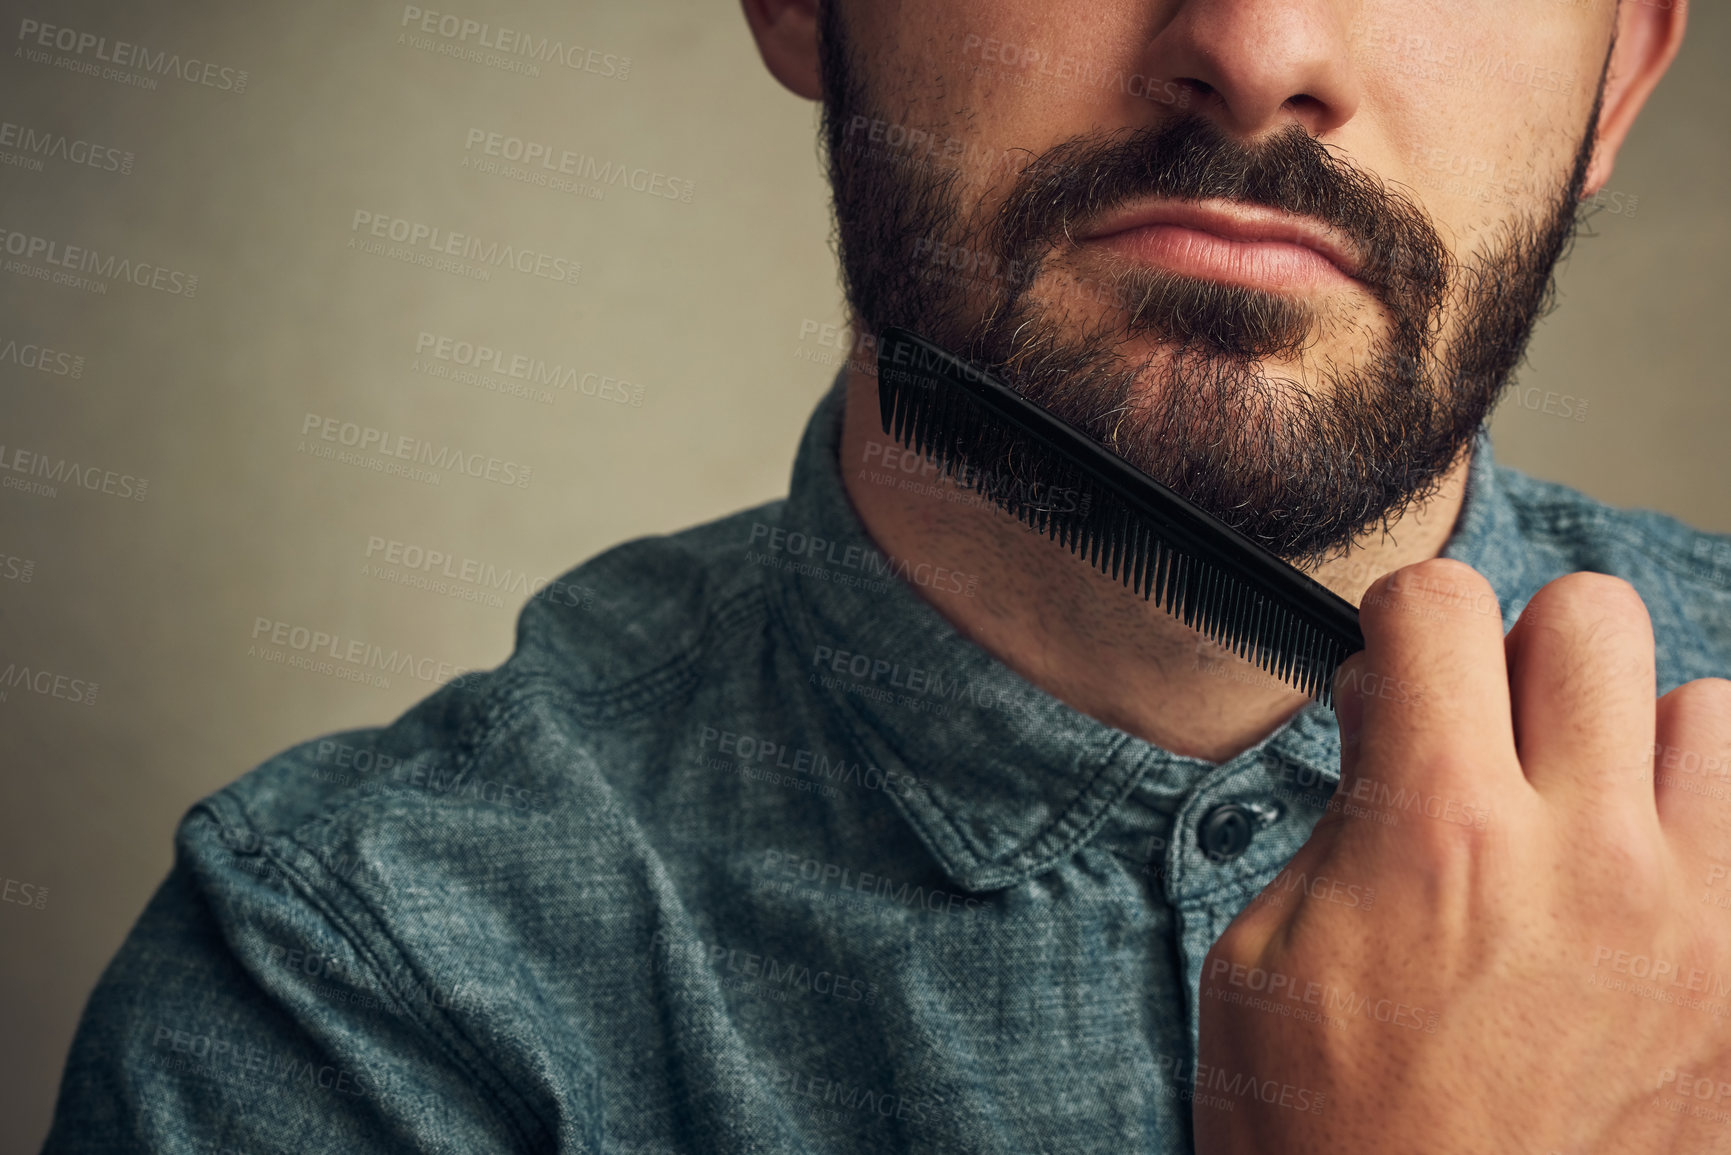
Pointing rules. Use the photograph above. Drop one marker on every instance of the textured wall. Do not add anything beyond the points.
(685, 367)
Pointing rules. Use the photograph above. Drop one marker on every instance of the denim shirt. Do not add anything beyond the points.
(746, 849)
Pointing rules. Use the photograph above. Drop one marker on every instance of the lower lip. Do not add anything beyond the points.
(1257, 264)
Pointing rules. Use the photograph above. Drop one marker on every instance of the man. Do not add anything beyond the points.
(868, 821)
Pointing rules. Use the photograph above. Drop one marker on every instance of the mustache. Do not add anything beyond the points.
(1405, 263)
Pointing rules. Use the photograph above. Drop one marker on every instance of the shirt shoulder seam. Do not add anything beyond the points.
(297, 866)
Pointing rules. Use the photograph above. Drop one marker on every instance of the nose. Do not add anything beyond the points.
(1258, 65)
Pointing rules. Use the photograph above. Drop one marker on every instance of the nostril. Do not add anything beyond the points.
(1193, 92)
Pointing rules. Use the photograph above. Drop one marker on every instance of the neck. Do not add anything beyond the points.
(1069, 629)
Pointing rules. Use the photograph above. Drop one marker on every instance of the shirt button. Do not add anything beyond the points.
(1226, 831)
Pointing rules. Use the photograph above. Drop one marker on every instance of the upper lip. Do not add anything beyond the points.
(1235, 222)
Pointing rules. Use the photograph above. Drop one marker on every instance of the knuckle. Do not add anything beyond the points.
(1629, 857)
(1693, 739)
(1451, 570)
(1590, 597)
(1704, 701)
(1438, 586)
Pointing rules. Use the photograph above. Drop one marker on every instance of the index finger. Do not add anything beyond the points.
(1431, 684)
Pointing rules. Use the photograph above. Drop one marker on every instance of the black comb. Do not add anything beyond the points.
(1061, 483)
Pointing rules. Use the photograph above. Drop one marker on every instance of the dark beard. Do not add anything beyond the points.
(1303, 471)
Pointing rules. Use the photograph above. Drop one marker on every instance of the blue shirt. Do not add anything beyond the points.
(745, 849)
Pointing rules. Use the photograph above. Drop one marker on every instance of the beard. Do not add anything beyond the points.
(1304, 469)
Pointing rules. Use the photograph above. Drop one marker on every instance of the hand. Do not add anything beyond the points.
(1543, 968)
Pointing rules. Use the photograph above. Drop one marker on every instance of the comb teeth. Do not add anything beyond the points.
(1060, 483)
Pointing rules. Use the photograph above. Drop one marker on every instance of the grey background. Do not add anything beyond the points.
(706, 306)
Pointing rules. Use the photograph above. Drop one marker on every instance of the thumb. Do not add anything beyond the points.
(1348, 698)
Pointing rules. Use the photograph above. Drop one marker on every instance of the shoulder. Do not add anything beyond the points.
(397, 859)
(382, 906)
(645, 611)
(1683, 574)
(603, 655)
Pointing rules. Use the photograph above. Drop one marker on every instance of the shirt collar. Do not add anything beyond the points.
(1011, 780)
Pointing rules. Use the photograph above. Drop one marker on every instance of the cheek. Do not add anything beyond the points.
(999, 80)
(1479, 109)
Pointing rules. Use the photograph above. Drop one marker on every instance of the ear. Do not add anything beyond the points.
(1649, 32)
(786, 34)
